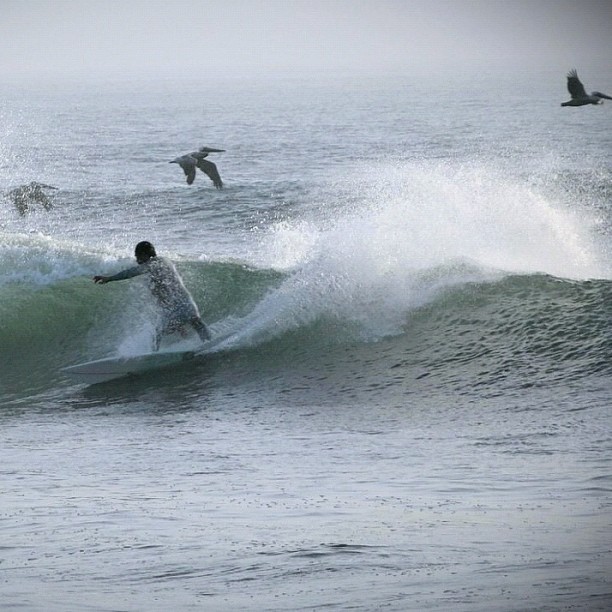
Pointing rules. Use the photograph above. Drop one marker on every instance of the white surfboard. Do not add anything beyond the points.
(102, 370)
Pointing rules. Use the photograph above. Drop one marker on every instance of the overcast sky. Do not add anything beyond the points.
(200, 38)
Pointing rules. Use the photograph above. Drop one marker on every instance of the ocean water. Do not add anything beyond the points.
(411, 409)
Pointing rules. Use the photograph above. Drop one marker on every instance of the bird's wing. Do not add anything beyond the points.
(210, 150)
(601, 95)
(188, 164)
(42, 198)
(574, 86)
(190, 174)
(211, 170)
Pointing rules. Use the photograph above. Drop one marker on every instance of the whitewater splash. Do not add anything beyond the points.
(378, 250)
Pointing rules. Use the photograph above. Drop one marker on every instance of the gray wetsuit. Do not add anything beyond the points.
(177, 305)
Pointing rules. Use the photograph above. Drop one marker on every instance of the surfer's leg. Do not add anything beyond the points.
(201, 328)
(167, 324)
(157, 340)
(161, 329)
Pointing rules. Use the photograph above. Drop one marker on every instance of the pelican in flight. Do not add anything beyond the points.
(25, 195)
(579, 95)
(191, 161)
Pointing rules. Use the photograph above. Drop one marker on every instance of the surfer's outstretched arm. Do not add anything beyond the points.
(129, 273)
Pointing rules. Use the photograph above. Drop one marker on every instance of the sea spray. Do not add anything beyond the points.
(379, 249)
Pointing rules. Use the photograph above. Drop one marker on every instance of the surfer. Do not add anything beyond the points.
(177, 306)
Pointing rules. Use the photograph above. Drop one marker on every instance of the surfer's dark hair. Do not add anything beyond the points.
(145, 248)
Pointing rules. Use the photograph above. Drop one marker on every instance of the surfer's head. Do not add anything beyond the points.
(144, 251)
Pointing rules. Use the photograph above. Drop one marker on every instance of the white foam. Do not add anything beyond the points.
(40, 260)
(382, 247)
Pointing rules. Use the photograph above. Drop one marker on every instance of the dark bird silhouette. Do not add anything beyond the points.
(25, 195)
(191, 161)
(578, 93)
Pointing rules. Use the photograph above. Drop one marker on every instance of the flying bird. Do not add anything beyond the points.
(579, 95)
(25, 195)
(191, 161)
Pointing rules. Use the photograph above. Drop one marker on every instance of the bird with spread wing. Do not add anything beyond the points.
(578, 93)
(25, 196)
(191, 161)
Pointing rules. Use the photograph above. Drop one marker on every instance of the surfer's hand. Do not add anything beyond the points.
(100, 280)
